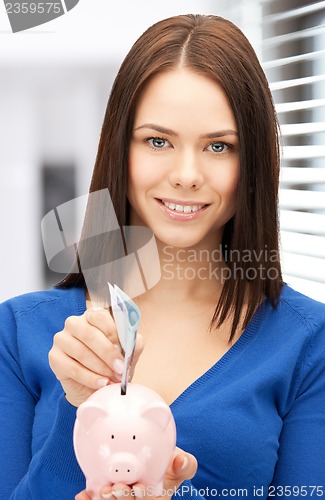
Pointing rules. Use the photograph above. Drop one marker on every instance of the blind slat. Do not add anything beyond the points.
(302, 222)
(303, 152)
(302, 175)
(299, 199)
(294, 13)
(286, 107)
(296, 82)
(284, 61)
(305, 244)
(302, 128)
(304, 266)
(291, 37)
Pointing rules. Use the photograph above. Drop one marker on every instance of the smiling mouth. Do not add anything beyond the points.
(182, 208)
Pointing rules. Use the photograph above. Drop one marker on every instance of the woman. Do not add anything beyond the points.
(189, 149)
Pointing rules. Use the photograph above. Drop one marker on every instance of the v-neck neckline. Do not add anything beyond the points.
(218, 367)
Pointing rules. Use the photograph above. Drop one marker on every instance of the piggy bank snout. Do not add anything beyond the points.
(125, 468)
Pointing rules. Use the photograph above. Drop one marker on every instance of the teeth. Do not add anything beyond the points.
(182, 208)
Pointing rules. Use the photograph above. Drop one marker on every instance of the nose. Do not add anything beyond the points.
(186, 171)
(125, 468)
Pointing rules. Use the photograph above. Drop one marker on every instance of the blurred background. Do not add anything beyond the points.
(54, 84)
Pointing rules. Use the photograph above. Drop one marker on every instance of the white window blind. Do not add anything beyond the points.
(293, 55)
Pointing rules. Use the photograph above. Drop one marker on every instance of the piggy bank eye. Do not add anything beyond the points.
(112, 436)
(133, 437)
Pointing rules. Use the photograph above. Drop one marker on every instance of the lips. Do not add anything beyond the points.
(182, 210)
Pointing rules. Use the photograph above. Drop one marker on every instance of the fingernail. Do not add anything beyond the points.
(138, 492)
(118, 366)
(102, 382)
(96, 309)
(106, 493)
(117, 347)
(118, 493)
(185, 463)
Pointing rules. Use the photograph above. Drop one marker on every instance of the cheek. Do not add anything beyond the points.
(143, 174)
(138, 181)
(226, 185)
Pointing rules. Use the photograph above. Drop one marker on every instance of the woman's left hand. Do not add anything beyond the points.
(183, 466)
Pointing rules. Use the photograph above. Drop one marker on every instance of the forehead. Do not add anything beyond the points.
(183, 94)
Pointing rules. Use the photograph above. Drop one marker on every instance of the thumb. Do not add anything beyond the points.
(182, 467)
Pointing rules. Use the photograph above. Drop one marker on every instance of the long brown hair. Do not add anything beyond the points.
(216, 48)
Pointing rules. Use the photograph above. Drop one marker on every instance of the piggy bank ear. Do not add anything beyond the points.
(87, 414)
(157, 412)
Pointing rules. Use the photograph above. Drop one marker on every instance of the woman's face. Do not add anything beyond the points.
(183, 160)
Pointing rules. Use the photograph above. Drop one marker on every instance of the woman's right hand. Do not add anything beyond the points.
(86, 355)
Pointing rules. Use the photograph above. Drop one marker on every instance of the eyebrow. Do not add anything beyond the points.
(168, 131)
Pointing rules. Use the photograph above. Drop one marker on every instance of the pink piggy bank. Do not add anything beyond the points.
(124, 438)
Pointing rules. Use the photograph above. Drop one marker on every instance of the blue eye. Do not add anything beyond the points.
(218, 147)
(157, 142)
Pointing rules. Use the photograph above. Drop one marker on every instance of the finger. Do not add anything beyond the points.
(82, 496)
(103, 321)
(139, 490)
(94, 339)
(121, 491)
(66, 368)
(77, 350)
(106, 493)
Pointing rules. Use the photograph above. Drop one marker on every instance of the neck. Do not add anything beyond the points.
(193, 273)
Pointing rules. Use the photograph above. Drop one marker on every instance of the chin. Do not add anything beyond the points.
(178, 241)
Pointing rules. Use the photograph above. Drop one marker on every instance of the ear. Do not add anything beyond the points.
(157, 412)
(88, 413)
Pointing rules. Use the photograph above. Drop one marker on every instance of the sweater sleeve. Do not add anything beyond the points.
(50, 473)
(301, 457)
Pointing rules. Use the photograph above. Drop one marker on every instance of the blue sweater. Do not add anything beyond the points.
(255, 420)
